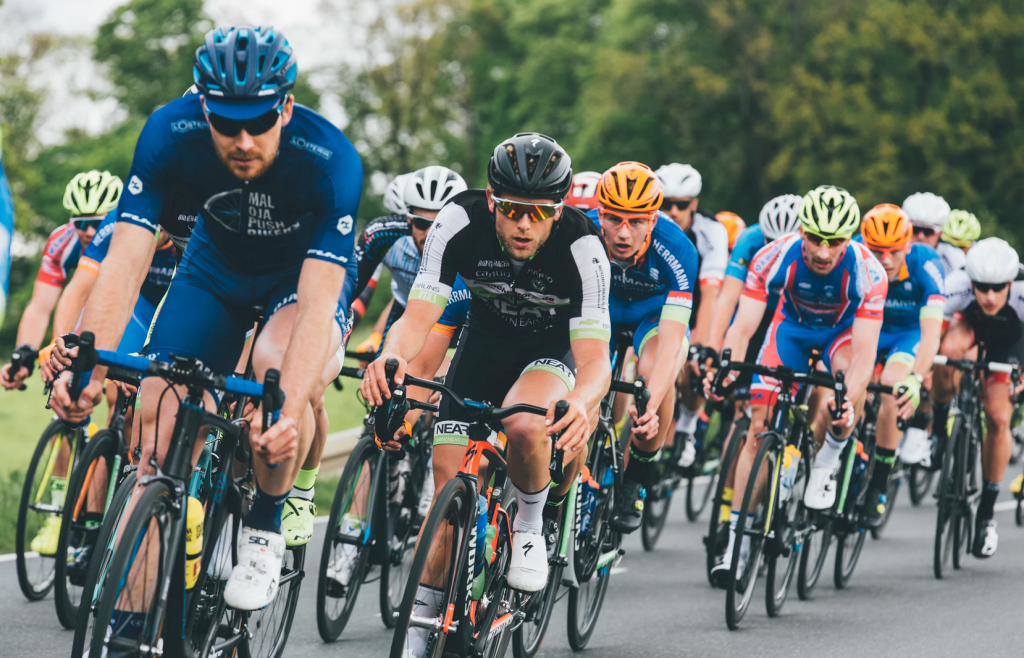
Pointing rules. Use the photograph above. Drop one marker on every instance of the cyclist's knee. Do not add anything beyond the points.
(526, 433)
(893, 374)
(956, 341)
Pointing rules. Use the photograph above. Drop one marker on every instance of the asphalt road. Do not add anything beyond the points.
(659, 604)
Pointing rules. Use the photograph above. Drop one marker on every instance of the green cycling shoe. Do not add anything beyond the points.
(297, 521)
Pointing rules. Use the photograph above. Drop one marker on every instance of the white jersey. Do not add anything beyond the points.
(960, 294)
(953, 258)
(712, 242)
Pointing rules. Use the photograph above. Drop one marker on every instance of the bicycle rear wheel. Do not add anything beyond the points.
(526, 639)
(718, 532)
(762, 486)
(447, 527)
(42, 503)
(698, 492)
(657, 503)
(891, 493)
(920, 480)
(783, 552)
(141, 568)
(404, 525)
(346, 550)
(77, 537)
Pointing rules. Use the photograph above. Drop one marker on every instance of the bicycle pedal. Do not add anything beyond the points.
(559, 561)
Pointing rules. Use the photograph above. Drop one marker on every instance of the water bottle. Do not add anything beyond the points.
(588, 500)
(790, 465)
(193, 541)
(481, 533)
(860, 465)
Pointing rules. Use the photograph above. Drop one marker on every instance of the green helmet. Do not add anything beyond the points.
(830, 212)
(961, 229)
(92, 193)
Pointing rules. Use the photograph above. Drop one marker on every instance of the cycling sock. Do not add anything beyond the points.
(639, 467)
(884, 459)
(304, 488)
(428, 600)
(93, 519)
(687, 422)
(726, 510)
(127, 624)
(265, 513)
(553, 508)
(734, 519)
(530, 517)
(989, 493)
(828, 456)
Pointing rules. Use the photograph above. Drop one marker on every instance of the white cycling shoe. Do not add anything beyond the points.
(915, 447)
(254, 580)
(528, 571)
(689, 454)
(344, 563)
(820, 493)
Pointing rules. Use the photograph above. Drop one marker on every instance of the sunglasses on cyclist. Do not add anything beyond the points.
(86, 224)
(682, 204)
(635, 220)
(817, 240)
(421, 223)
(255, 126)
(926, 232)
(990, 287)
(537, 212)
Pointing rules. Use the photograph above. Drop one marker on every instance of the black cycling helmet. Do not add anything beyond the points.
(244, 71)
(531, 165)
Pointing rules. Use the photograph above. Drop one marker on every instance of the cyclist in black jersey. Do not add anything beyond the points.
(537, 332)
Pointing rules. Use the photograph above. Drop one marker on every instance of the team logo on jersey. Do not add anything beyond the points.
(315, 149)
(345, 225)
(134, 185)
(185, 125)
(538, 284)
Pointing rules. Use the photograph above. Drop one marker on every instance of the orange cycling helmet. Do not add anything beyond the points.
(733, 223)
(886, 226)
(630, 187)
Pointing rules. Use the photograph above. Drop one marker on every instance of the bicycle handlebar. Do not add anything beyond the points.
(968, 365)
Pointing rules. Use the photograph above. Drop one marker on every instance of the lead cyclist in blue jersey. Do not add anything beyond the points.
(279, 187)
(654, 267)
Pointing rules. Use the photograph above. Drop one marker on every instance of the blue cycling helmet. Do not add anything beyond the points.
(244, 71)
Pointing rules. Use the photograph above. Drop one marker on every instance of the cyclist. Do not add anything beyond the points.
(583, 193)
(928, 214)
(984, 304)
(961, 230)
(778, 218)
(538, 327)
(281, 187)
(734, 225)
(832, 295)
(88, 197)
(682, 185)
(908, 341)
(653, 268)
(397, 241)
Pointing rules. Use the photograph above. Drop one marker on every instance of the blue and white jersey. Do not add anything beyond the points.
(303, 206)
(161, 268)
(918, 292)
(387, 240)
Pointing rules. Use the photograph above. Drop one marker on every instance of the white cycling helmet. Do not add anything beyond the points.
(432, 187)
(394, 200)
(780, 216)
(992, 260)
(926, 210)
(679, 181)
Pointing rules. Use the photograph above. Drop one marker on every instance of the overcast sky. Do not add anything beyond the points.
(322, 32)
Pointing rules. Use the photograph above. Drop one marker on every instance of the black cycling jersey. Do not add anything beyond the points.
(563, 288)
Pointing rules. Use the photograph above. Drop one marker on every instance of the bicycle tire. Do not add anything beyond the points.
(656, 506)
(787, 527)
(404, 527)
(945, 509)
(100, 562)
(157, 498)
(713, 540)
(892, 492)
(451, 505)
(696, 504)
(101, 446)
(524, 646)
(736, 610)
(491, 635)
(330, 626)
(850, 542)
(200, 641)
(920, 481)
(1018, 515)
(36, 583)
(963, 526)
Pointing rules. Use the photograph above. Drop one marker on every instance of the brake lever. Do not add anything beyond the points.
(557, 454)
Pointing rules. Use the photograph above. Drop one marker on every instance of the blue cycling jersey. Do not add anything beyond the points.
(303, 206)
(918, 292)
(747, 245)
(663, 278)
(161, 268)
(457, 308)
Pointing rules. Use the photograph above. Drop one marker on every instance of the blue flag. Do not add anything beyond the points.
(6, 234)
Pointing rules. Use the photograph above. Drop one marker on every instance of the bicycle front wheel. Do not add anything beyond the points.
(657, 503)
(947, 510)
(920, 480)
(269, 627)
(783, 551)
(718, 529)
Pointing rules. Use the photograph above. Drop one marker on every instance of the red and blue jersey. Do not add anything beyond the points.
(60, 256)
(855, 288)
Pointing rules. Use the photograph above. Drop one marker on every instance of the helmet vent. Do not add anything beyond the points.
(531, 164)
(552, 161)
(511, 150)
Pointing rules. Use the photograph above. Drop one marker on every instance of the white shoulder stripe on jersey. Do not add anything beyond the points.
(428, 287)
(595, 278)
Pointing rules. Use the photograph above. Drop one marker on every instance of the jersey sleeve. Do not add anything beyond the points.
(52, 269)
(959, 294)
(715, 254)
(761, 267)
(747, 245)
(455, 311)
(97, 249)
(678, 258)
(340, 187)
(142, 201)
(873, 286)
(589, 317)
(931, 276)
(378, 237)
(450, 235)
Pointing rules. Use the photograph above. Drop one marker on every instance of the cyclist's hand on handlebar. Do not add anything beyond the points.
(645, 427)
(47, 372)
(375, 383)
(279, 443)
(74, 411)
(848, 419)
(401, 437)
(61, 354)
(709, 381)
(575, 423)
(9, 382)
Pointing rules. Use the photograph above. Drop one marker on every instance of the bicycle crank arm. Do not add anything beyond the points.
(432, 624)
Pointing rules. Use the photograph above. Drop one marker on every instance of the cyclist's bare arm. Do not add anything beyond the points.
(72, 301)
(931, 331)
(728, 298)
(743, 328)
(593, 378)
(404, 342)
(35, 319)
(865, 349)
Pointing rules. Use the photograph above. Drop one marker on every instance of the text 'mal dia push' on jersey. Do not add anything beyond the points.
(303, 206)
(563, 288)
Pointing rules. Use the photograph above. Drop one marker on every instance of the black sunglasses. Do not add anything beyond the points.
(421, 223)
(256, 126)
(926, 232)
(990, 287)
(682, 204)
(86, 224)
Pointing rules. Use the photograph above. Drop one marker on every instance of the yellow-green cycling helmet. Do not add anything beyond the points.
(961, 229)
(830, 212)
(92, 193)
